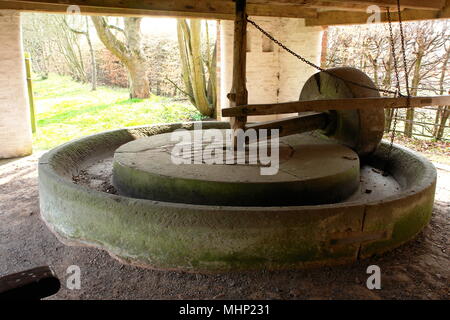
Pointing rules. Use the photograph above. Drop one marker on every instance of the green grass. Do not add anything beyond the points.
(66, 110)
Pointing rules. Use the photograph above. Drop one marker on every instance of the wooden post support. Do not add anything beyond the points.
(30, 91)
(239, 95)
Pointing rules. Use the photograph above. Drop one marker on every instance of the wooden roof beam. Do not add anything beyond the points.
(411, 4)
(224, 9)
(329, 18)
(209, 9)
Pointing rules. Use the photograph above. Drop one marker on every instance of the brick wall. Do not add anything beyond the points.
(15, 131)
(273, 75)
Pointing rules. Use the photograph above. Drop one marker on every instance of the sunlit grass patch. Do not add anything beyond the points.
(66, 110)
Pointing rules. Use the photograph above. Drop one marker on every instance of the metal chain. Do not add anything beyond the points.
(395, 93)
(405, 65)
(277, 42)
(395, 112)
(397, 77)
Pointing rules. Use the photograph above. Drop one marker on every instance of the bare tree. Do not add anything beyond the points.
(424, 39)
(443, 112)
(69, 46)
(38, 42)
(197, 67)
(369, 48)
(52, 46)
(125, 44)
(84, 30)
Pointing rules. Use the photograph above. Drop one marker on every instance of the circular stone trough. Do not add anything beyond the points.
(381, 214)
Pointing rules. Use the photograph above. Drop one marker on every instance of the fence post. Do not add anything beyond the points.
(30, 91)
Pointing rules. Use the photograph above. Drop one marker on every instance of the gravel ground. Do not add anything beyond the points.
(417, 270)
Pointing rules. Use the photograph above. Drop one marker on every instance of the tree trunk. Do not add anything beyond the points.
(212, 83)
(444, 117)
(439, 121)
(68, 45)
(129, 53)
(409, 122)
(136, 62)
(414, 84)
(199, 90)
(387, 83)
(92, 53)
(138, 77)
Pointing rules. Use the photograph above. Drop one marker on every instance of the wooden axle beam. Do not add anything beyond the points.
(245, 110)
(293, 125)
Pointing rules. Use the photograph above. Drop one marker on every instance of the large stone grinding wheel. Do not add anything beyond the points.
(359, 129)
(310, 171)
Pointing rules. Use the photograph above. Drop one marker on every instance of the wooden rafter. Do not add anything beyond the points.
(413, 4)
(316, 12)
(329, 18)
(209, 9)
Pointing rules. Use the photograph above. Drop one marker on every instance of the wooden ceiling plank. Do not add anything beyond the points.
(329, 18)
(105, 11)
(412, 4)
(224, 9)
(336, 6)
(210, 8)
(170, 8)
(289, 11)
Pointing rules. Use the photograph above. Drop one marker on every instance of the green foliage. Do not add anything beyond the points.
(66, 110)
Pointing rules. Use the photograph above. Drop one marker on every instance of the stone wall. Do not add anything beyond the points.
(273, 75)
(15, 129)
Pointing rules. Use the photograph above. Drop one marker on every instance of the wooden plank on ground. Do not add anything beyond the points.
(33, 284)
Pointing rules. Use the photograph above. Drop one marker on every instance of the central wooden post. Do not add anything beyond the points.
(239, 95)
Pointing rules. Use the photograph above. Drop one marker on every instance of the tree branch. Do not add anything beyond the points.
(117, 47)
(179, 89)
(72, 29)
(111, 26)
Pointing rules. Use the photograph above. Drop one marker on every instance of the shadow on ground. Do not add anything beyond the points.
(417, 270)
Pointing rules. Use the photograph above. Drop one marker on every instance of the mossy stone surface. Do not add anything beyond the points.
(166, 235)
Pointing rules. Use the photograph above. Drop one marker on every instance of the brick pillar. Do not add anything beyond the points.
(15, 129)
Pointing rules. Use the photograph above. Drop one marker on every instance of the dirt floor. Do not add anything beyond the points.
(417, 270)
